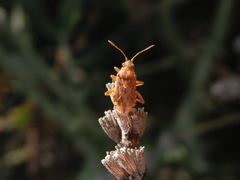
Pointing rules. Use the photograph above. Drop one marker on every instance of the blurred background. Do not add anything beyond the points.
(55, 62)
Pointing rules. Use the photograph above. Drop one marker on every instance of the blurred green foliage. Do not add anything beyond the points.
(55, 62)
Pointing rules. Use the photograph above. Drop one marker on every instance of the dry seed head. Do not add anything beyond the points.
(125, 162)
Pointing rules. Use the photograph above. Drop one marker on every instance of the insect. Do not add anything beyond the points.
(123, 91)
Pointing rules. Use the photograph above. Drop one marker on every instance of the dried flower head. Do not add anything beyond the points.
(126, 162)
(126, 130)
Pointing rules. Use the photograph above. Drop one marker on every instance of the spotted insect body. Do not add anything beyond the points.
(124, 94)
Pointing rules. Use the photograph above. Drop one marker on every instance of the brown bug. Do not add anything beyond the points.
(123, 92)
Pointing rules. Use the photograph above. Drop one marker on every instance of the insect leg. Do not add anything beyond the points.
(116, 69)
(139, 97)
(109, 92)
(113, 77)
(139, 83)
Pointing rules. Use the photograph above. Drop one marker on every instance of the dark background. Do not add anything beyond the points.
(55, 62)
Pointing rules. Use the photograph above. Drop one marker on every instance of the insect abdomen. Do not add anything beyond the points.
(124, 95)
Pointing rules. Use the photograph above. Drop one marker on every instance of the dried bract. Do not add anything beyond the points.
(125, 162)
(126, 130)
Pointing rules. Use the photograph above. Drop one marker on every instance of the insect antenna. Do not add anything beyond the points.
(114, 45)
(149, 47)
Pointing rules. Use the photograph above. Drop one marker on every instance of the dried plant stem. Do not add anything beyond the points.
(126, 162)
